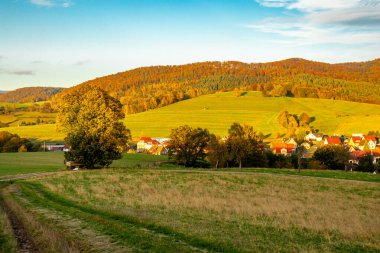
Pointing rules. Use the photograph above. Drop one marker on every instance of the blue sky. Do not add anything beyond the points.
(65, 42)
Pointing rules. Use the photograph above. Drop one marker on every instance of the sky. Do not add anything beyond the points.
(62, 43)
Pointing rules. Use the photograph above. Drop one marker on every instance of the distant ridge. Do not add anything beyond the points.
(147, 88)
(29, 94)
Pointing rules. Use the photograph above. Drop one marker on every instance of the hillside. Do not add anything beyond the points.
(217, 111)
(29, 94)
(148, 88)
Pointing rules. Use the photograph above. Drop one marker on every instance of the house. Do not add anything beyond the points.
(310, 137)
(56, 147)
(283, 148)
(355, 141)
(161, 140)
(356, 155)
(333, 140)
(291, 141)
(319, 136)
(145, 143)
(371, 141)
(158, 150)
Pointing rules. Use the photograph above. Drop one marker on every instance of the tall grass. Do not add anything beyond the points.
(243, 211)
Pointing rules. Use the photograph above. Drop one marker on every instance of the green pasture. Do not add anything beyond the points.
(218, 111)
(31, 162)
(182, 211)
(23, 163)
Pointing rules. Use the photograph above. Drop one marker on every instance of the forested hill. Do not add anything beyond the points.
(29, 94)
(147, 88)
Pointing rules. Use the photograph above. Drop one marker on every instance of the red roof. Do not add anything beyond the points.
(370, 137)
(155, 142)
(283, 145)
(335, 140)
(359, 153)
(288, 150)
(356, 139)
(145, 138)
(279, 146)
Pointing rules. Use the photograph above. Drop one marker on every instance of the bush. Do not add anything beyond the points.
(333, 157)
(366, 164)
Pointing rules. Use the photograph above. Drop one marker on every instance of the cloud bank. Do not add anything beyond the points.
(349, 22)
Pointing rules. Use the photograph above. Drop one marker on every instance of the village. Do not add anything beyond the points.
(357, 144)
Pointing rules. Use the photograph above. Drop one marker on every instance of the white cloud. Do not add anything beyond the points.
(274, 3)
(52, 3)
(349, 22)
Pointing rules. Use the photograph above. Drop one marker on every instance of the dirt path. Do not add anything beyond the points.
(24, 240)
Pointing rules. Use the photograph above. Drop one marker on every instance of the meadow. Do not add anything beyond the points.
(122, 210)
(33, 162)
(218, 111)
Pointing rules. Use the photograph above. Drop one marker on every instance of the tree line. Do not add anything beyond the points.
(197, 147)
(13, 143)
(148, 88)
(29, 94)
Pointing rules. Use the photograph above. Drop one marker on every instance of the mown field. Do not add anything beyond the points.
(218, 111)
(33, 162)
(123, 210)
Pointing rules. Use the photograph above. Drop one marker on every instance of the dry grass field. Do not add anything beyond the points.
(187, 211)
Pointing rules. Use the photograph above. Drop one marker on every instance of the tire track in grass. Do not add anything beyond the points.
(25, 242)
(141, 235)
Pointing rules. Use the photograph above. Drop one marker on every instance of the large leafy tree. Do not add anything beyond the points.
(187, 145)
(245, 147)
(91, 119)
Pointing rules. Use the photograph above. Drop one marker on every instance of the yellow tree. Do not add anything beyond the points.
(91, 119)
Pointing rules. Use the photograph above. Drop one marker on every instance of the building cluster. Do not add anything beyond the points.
(153, 146)
(358, 145)
(54, 147)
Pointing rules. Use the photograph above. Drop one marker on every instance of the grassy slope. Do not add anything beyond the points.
(171, 211)
(216, 112)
